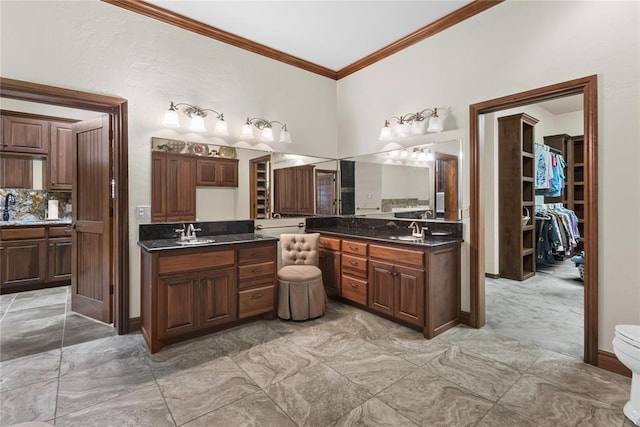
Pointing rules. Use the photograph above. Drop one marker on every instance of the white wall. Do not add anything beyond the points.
(513, 47)
(368, 187)
(405, 182)
(95, 47)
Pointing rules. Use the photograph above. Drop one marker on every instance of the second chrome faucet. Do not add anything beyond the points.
(188, 232)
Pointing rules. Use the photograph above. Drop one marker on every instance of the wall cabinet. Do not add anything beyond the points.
(173, 187)
(294, 190)
(217, 172)
(16, 172)
(194, 291)
(25, 135)
(60, 157)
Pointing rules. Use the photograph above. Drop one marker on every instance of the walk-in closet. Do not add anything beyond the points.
(534, 222)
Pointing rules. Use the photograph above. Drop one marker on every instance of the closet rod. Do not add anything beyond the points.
(551, 149)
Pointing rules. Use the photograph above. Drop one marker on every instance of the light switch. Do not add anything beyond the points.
(143, 212)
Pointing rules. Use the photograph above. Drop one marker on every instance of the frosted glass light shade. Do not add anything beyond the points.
(171, 119)
(247, 131)
(267, 134)
(418, 127)
(285, 137)
(197, 124)
(403, 130)
(429, 157)
(221, 128)
(385, 133)
(435, 124)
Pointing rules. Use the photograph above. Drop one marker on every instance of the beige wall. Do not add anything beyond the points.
(513, 47)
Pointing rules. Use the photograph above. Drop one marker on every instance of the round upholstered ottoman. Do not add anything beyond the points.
(301, 295)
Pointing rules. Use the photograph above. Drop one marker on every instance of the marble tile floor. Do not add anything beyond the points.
(34, 322)
(546, 310)
(348, 368)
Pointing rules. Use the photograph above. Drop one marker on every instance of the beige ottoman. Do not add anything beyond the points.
(301, 292)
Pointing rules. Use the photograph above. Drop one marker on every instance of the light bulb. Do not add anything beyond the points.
(247, 131)
(171, 119)
(221, 128)
(267, 134)
(197, 124)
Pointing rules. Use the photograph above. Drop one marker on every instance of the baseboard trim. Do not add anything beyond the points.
(609, 362)
(134, 324)
(464, 317)
(492, 276)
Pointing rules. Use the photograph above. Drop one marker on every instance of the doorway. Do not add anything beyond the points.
(587, 86)
(326, 192)
(118, 237)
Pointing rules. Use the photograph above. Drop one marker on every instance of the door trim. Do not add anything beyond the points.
(117, 108)
(588, 87)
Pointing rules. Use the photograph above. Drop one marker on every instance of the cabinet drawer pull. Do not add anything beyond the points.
(256, 296)
(353, 263)
(354, 285)
(257, 270)
(353, 248)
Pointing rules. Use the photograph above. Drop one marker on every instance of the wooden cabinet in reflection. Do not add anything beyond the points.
(173, 187)
(217, 172)
(293, 190)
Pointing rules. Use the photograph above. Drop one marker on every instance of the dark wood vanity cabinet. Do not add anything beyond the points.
(173, 187)
(217, 172)
(23, 257)
(190, 292)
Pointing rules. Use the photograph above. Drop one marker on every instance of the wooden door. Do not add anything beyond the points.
(409, 295)
(326, 192)
(60, 153)
(91, 198)
(217, 295)
(381, 284)
(329, 263)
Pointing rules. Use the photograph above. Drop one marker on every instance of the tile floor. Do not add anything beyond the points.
(552, 300)
(348, 368)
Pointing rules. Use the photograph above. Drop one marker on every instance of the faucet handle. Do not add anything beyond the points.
(180, 231)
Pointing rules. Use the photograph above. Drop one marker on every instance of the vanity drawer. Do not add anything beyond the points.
(197, 261)
(22, 233)
(355, 248)
(251, 271)
(354, 266)
(259, 253)
(330, 243)
(397, 256)
(255, 301)
(354, 289)
(59, 232)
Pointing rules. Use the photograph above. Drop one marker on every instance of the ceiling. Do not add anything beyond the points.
(332, 34)
(567, 104)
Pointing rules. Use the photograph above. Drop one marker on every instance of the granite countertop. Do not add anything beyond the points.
(32, 223)
(429, 241)
(219, 240)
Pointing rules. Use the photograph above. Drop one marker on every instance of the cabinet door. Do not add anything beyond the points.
(16, 172)
(304, 190)
(181, 188)
(25, 135)
(381, 287)
(329, 263)
(59, 259)
(23, 262)
(158, 187)
(176, 304)
(60, 161)
(409, 295)
(217, 296)
(227, 173)
(284, 190)
(206, 172)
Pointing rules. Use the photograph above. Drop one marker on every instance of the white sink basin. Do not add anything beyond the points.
(407, 238)
(194, 242)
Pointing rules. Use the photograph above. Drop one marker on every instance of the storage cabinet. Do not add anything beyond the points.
(354, 284)
(60, 157)
(516, 196)
(330, 262)
(259, 170)
(173, 187)
(217, 172)
(194, 291)
(23, 257)
(294, 190)
(16, 172)
(25, 135)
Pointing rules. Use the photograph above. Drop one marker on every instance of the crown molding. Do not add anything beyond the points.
(172, 18)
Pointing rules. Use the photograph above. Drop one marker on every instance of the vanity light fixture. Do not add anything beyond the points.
(197, 115)
(265, 126)
(412, 123)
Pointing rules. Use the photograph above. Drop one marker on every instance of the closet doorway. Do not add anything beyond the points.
(587, 87)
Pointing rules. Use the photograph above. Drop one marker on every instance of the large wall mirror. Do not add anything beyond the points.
(269, 184)
(420, 182)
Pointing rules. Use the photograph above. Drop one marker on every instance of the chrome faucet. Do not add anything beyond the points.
(416, 230)
(191, 232)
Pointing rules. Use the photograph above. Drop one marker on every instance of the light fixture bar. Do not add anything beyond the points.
(265, 126)
(197, 115)
(418, 123)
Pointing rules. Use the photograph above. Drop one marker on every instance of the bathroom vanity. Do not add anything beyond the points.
(225, 277)
(382, 268)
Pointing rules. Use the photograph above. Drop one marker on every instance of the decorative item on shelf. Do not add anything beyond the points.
(227, 152)
(525, 217)
(200, 149)
(408, 124)
(265, 126)
(197, 115)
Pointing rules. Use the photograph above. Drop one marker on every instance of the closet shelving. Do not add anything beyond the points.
(259, 177)
(516, 196)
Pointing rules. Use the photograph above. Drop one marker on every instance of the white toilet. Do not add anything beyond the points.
(626, 345)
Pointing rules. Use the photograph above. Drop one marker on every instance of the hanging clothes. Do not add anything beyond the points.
(549, 173)
(557, 236)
